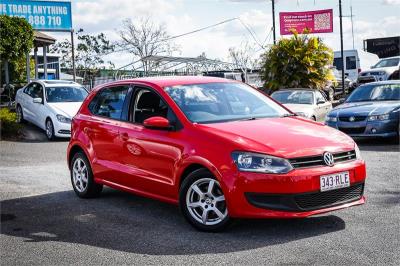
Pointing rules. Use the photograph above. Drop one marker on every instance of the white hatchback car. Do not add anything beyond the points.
(304, 102)
(50, 104)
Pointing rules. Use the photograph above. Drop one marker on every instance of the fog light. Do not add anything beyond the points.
(373, 130)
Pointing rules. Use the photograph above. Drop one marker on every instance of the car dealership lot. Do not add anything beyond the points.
(43, 222)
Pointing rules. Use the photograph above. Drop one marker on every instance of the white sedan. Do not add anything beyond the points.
(50, 104)
(304, 102)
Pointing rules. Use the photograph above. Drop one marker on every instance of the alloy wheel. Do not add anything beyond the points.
(49, 129)
(19, 114)
(206, 202)
(80, 175)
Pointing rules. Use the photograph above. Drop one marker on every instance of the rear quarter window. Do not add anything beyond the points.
(109, 102)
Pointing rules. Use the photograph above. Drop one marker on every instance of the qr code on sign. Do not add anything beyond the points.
(322, 21)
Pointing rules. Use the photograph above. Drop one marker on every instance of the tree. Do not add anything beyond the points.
(244, 57)
(16, 41)
(145, 38)
(299, 62)
(89, 52)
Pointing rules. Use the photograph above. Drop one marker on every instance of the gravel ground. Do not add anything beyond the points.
(44, 223)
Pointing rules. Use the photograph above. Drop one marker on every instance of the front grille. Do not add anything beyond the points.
(318, 160)
(352, 130)
(320, 200)
(370, 74)
(356, 118)
(306, 201)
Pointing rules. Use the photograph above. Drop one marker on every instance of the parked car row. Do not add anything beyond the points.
(215, 146)
(372, 110)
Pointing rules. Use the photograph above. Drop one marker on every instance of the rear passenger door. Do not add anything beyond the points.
(108, 107)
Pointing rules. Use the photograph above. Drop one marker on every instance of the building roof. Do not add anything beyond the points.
(41, 39)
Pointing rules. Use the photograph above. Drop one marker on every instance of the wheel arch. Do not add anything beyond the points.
(73, 150)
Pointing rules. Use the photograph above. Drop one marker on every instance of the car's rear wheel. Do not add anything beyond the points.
(20, 114)
(82, 177)
(202, 202)
(49, 129)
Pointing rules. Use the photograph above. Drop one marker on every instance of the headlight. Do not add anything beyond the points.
(63, 119)
(331, 119)
(358, 153)
(262, 163)
(378, 117)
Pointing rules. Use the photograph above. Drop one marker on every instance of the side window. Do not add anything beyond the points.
(109, 102)
(148, 104)
(319, 97)
(351, 62)
(37, 91)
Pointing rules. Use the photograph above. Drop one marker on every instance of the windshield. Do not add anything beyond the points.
(387, 92)
(220, 102)
(65, 94)
(391, 62)
(293, 97)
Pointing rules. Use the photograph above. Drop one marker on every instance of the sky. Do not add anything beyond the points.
(371, 19)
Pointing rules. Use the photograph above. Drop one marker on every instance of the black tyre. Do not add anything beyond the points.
(20, 114)
(49, 129)
(202, 202)
(82, 177)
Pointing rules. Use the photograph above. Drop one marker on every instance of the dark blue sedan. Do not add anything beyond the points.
(371, 110)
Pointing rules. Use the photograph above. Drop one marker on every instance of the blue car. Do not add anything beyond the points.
(371, 110)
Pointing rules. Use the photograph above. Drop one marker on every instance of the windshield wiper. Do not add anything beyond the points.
(288, 115)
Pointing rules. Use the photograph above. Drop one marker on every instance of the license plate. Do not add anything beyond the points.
(334, 181)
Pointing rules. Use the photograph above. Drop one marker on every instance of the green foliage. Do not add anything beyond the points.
(299, 62)
(16, 38)
(9, 125)
(89, 51)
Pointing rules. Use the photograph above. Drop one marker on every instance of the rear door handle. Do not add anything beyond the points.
(124, 136)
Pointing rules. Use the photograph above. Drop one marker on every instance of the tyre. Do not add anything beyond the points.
(20, 114)
(82, 177)
(202, 202)
(49, 129)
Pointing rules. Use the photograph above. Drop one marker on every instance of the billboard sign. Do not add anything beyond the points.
(383, 47)
(42, 15)
(318, 21)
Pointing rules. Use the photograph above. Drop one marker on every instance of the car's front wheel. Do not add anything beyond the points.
(202, 202)
(82, 177)
(49, 129)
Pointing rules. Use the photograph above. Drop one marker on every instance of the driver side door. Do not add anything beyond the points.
(150, 154)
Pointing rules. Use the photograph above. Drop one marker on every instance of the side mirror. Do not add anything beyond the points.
(157, 122)
(37, 100)
(342, 100)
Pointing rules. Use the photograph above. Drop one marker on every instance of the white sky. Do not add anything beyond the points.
(372, 18)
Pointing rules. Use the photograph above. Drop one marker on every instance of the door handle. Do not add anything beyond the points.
(124, 136)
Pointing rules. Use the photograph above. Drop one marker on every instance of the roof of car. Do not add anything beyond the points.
(385, 82)
(166, 81)
(56, 83)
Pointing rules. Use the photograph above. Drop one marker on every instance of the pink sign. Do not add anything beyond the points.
(318, 21)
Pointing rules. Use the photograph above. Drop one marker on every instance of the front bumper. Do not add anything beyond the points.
(383, 129)
(295, 194)
(62, 130)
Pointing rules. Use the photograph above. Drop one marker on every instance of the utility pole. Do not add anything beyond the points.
(341, 41)
(352, 28)
(273, 21)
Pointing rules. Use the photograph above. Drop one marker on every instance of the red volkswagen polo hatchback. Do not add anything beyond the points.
(218, 148)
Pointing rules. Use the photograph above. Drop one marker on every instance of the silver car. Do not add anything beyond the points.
(308, 103)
